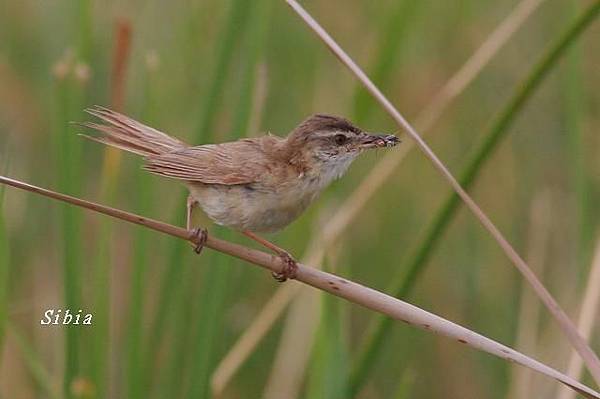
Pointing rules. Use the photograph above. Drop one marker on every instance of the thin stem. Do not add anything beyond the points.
(232, 30)
(528, 319)
(4, 273)
(34, 364)
(473, 66)
(335, 285)
(391, 42)
(569, 329)
(246, 344)
(588, 317)
(101, 348)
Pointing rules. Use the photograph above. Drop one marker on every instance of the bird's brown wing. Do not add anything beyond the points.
(239, 162)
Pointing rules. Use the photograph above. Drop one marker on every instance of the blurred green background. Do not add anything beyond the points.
(206, 71)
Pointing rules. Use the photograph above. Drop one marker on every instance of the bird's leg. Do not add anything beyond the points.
(291, 266)
(200, 235)
(190, 205)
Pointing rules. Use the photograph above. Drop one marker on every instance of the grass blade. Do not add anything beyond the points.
(101, 348)
(68, 154)
(406, 384)
(257, 36)
(538, 239)
(142, 249)
(4, 272)
(588, 317)
(250, 338)
(238, 11)
(290, 363)
(37, 369)
(391, 38)
(210, 325)
(70, 91)
(329, 365)
(574, 102)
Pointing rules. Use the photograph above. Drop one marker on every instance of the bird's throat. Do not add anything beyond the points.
(324, 172)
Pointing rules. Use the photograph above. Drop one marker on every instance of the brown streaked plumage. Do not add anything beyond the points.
(255, 184)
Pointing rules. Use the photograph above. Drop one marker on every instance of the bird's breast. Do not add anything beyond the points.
(254, 207)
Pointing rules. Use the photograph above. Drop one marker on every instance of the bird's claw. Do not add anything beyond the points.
(289, 269)
(199, 237)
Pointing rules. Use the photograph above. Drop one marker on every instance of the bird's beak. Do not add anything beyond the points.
(368, 140)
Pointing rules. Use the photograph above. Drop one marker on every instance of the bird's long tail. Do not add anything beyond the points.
(127, 134)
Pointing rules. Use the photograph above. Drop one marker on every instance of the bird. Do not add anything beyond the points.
(252, 185)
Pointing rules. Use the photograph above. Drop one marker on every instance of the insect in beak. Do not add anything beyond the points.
(368, 140)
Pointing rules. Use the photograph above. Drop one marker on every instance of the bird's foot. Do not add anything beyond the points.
(290, 266)
(289, 269)
(199, 237)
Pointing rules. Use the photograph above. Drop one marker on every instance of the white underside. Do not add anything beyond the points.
(262, 209)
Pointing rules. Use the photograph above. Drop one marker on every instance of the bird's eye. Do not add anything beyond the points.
(340, 139)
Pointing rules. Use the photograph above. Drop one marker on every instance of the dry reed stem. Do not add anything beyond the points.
(538, 239)
(588, 316)
(244, 346)
(46, 382)
(288, 366)
(121, 51)
(261, 325)
(298, 337)
(351, 208)
(259, 99)
(567, 326)
(335, 285)
(471, 69)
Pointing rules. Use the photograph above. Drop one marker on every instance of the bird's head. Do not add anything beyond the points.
(333, 141)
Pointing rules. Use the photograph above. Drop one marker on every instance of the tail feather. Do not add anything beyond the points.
(127, 134)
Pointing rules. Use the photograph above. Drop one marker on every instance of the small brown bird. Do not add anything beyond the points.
(252, 185)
